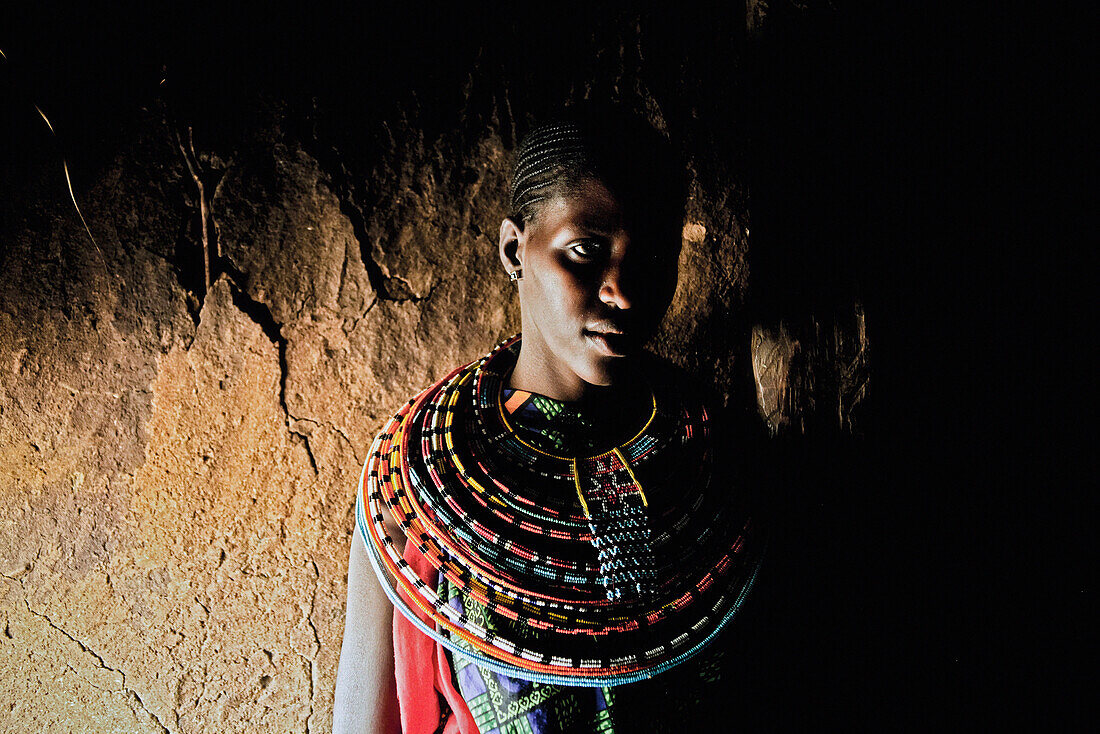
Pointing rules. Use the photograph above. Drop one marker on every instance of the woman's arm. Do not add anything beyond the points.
(366, 690)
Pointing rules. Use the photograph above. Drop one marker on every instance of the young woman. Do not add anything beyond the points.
(559, 525)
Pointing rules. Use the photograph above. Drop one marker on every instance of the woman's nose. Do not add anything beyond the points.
(613, 290)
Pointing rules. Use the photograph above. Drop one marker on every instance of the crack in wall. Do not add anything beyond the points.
(309, 665)
(337, 430)
(76, 672)
(413, 297)
(332, 427)
(98, 658)
(360, 317)
(313, 685)
(309, 451)
(377, 279)
(260, 314)
(328, 159)
(217, 265)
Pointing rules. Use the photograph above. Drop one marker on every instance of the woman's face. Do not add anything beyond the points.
(597, 278)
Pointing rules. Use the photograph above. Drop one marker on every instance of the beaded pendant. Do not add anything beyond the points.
(615, 505)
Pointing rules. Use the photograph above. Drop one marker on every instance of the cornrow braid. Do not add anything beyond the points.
(545, 154)
(595, 141)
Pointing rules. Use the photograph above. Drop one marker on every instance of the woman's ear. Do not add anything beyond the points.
(512, 240)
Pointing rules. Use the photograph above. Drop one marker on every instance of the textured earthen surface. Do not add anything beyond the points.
(178, 461)
(179, 494)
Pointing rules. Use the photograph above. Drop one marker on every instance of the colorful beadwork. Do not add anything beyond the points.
(604, 569)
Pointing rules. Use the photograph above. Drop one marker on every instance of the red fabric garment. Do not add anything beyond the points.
(423, 671)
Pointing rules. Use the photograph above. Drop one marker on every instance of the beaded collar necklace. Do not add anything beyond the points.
(503, 413)
(596, 581)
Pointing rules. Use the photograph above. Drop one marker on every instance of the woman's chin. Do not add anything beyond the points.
(610, 371)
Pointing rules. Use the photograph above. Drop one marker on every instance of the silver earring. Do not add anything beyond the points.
(515, 275)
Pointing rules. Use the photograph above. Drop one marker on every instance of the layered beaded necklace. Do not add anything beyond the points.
(602, 568)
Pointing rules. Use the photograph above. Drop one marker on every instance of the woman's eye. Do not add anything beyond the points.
(586, 250)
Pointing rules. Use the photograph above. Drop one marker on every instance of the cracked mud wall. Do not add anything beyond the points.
(178, 460)
(179, 483)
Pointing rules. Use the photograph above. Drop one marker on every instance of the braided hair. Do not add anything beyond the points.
(604, 143)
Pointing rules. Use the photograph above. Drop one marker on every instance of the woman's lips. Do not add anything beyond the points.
(607, 343)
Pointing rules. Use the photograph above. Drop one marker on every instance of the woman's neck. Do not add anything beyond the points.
(536, 372)
(571, 389)
(619, 409)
